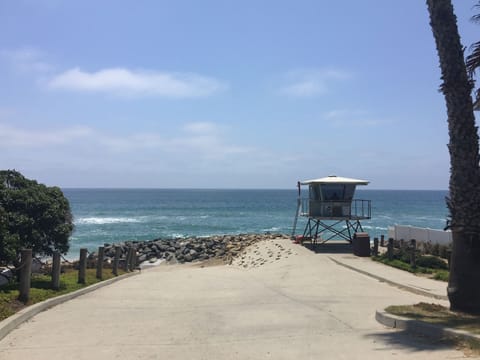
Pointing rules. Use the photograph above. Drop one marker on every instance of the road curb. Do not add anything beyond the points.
(12, 322)
(393, 283)
(423, 328)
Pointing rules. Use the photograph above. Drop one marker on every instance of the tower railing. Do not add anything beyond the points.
(336, 209)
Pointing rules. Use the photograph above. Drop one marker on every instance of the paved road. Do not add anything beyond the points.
(301, 306)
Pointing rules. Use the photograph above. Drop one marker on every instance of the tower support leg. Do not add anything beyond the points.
(316, 226)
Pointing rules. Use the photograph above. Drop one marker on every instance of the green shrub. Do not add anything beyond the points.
(32, 216)
(425, 264)
(441, 275)
(432, 262)
(445, 251)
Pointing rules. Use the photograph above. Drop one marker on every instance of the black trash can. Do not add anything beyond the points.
(361, 244)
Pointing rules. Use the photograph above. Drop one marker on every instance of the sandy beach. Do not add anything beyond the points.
(276, 300)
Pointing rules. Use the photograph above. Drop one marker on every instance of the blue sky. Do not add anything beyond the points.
(223, 94)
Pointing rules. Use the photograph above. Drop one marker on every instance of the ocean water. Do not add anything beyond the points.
(114, 215)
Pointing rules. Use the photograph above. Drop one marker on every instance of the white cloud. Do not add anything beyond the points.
(11, 136)
(206, 140)
(200, 127)
(305, 88)
(200, 140)
(27, 60)
(118, 81)
(186, 156)
(313, 82)
(125, 82)
(348, 117)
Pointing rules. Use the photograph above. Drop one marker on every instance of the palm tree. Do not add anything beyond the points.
(464, 198)
(473, 60)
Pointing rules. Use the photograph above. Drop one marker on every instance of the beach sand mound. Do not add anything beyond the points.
(263, 253)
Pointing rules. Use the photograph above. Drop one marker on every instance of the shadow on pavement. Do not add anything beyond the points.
(413, 341)
(331, 247)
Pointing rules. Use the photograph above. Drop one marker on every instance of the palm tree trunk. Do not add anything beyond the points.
(464, 198)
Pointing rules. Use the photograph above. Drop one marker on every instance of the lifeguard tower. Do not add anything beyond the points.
(331, 210)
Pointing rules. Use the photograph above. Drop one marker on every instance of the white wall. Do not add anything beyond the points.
(407, 233)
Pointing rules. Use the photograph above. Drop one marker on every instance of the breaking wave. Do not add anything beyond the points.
(105, 220)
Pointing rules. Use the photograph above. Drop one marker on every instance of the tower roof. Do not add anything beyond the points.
(333, 179)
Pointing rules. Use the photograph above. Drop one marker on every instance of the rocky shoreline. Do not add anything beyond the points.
(223, 248)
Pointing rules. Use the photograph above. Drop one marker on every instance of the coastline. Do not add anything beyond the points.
(112, 215)
(220, 248)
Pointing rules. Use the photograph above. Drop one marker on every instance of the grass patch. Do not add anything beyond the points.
(441, 275)
(40, 289)
(437, 273)
(440, 315)
(437, 314)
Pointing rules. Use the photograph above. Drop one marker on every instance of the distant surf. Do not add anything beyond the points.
(105, 220)
(114, 215)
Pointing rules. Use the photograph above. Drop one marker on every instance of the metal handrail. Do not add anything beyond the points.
(336, 209)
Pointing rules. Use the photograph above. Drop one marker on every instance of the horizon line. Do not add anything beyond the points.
(220, 188)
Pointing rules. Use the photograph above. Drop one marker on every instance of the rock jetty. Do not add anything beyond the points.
(223, 248)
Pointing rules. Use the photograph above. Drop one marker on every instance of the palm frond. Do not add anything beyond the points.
(476, 18)
(472, 61)
(476, 101)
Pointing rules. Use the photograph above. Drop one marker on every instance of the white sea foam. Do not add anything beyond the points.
(369, 227)
(272, 229)
(105, 220)
(177, 236)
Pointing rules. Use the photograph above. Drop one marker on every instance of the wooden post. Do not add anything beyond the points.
(375, 246)
(127, 259)
(413, 248)
(382, 240)
(25, 274)
(82, 266)
(118, 250)
(390, 249)
(131, 259)
(100, 263)
(56, 270)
